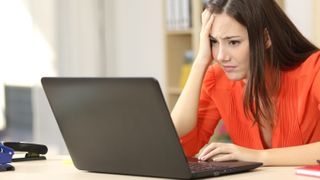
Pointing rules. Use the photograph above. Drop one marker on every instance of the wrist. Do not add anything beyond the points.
(200, 64)
(263, 157)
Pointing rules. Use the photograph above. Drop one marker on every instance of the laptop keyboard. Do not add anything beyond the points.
(202, 166)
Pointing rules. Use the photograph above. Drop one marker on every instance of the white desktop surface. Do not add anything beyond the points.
(58, 168)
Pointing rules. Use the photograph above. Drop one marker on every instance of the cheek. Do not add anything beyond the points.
(245, 56)
(246, 65)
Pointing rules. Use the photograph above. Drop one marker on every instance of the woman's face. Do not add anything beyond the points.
(230, 46)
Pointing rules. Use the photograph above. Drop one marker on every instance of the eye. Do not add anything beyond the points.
(213, 42)
(234, 42)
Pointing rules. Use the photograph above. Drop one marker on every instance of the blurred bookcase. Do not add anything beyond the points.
(182, 29)
(281, 3)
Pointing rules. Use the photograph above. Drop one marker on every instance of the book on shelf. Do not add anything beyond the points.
(186, 68)
(312, 170)
(178, 14)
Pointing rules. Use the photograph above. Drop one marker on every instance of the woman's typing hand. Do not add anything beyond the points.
(229, 151)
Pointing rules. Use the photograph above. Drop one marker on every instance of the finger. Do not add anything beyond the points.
(205, 31)
(213, 153)
(205, 13)
(208, 149)
(215, 149)
(205, 18)
(226, 157)
(208, 26)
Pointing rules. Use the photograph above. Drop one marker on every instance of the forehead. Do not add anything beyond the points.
(224, 26)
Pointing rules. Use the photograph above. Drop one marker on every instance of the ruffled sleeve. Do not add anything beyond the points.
(316, 87)
(207, 118)
(315, 70)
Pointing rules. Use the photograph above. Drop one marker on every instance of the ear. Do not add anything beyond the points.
(267, 40)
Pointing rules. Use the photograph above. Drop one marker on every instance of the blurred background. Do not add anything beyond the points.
(91, 38)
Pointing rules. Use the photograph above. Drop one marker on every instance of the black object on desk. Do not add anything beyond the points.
(6, 154)
(6, 167)
(34, 151)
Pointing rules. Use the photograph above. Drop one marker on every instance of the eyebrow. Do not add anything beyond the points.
(225, 38)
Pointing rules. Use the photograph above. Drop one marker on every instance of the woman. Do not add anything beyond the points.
(264, 85)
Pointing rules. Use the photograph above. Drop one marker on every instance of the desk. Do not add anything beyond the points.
(55, 168)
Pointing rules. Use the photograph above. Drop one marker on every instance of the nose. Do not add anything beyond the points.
(221, 54)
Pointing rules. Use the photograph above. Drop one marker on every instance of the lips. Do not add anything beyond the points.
(229, 68)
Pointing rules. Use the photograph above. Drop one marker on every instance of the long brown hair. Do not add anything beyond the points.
(288, 50)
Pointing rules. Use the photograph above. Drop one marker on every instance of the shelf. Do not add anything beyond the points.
(174, 91)
(179, 32)
(177, 43)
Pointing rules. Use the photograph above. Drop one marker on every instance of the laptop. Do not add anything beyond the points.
(123, 126)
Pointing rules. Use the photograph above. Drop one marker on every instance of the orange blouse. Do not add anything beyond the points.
(298, 110)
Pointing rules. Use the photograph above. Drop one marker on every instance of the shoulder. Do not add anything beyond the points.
(311, 64)
(309, 68)
(314, 70)
(307, 75)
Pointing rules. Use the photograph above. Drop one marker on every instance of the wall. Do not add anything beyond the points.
(137, 45)
(316, 22)
(27, 34)
(45, 129)
(305, 16)
(80, 42)
(301, 15)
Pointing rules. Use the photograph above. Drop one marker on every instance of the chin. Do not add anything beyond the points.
(235, 77)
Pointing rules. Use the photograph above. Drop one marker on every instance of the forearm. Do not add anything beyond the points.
(292, 156)
(184, 113)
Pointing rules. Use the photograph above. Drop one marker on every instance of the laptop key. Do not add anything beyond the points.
(200, 166)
